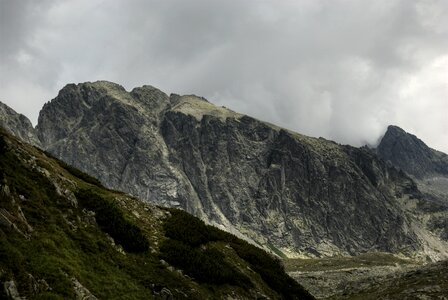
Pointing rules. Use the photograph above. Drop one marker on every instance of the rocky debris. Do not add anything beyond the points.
(162, 293)
(425, 282)
(371, 278)
(119, 248)
(81, 293)
(166, 294)
(23, 219)
(11, 291)
(18, 125)
(331, 283)
(37, 286)
(8, 220)
(88, 217)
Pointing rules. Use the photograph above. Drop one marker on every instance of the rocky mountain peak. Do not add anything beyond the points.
(409, 153)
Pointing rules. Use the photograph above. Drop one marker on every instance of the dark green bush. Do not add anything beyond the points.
(186, 233)
(205, 265)
(112, 221)
(186, 228)
(271, 271)
(3, 145)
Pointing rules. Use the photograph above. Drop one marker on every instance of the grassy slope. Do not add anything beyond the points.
(66, 242)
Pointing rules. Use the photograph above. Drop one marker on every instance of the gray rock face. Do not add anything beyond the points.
(293, 194)
(412, 155)
(287, 192)
(103, 130)
(18, 125)
(290, 191)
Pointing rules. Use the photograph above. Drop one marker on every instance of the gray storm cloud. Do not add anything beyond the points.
(343, 70)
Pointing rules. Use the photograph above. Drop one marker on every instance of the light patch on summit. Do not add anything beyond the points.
(198, 107)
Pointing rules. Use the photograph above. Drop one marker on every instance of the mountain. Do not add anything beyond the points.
(428, 168)
(409, 153)
(18, 125)
(289, 193)
(64, 236)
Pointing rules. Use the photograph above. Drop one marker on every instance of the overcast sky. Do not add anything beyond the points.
(342, 70)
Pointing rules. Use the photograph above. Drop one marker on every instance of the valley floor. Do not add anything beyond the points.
(370, 276)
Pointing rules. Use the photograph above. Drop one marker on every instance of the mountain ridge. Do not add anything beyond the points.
(293, 194)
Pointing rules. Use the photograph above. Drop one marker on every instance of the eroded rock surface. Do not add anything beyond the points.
(18, 125)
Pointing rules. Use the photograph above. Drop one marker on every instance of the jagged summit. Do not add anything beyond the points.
(411, 154)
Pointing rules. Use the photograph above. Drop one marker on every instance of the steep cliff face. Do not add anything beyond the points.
(18, 124)
(297, 193)
(112, 134)
(287, 192)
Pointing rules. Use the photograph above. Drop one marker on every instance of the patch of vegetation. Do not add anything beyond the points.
(111, 220)
(270, 269)
(186, 236)
(3, 145)
(205, 265)
(186, 233)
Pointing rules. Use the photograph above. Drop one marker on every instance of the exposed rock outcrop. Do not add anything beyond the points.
(18, 124)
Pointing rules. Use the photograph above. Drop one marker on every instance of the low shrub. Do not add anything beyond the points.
(3, 145)
(186, 228)
(204, 265)
(186, 233)
(112, 221)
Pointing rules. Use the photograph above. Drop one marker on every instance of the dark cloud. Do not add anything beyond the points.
(339, 69)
